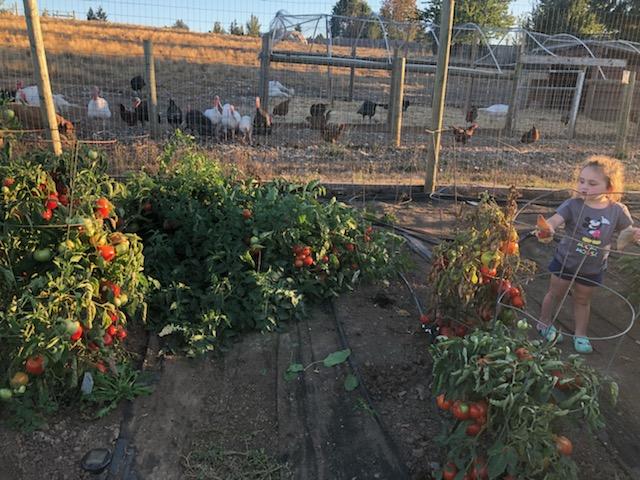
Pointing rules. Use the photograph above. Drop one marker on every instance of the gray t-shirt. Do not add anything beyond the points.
(589, 232)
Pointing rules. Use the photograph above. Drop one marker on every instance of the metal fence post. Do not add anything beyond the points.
(47, 109)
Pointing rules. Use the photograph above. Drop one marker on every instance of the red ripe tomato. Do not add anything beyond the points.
(63, 199)
(246, 214)
(77, 335)
(481, 420)
(35, 365)
(112, 330)
(460, 330)
(102, 213)
(115, 289)
(480, 471)
(113, 316)
(441, 401)
(107, 339)
(47, 214)
(424, 319)
(449, 471)
(446, 332)
(107, 252)
(298, 263)
(350, 247)
(517, 301)
(523, 354)
(102, 368)
(460, 410)
(473, 429)
(52, 202)
(308, 261)
(483, 406)
(564, 445)
(93, 346)
(297, 249)
(514, 292)
(505, 286)
(475, 411)
(7, 182)
(122, 333)
(306, 251)
(103, 203)
(325, 259)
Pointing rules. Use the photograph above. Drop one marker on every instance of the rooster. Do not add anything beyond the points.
(472, 114)
(281, 109)
(174, 113)
(331, 133)
(462, 135)
(531, 136)
(318, 122)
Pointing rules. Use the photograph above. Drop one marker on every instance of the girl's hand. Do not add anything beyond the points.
(627, 236)
(636, 234)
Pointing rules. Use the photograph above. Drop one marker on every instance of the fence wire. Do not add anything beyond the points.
(503, 80)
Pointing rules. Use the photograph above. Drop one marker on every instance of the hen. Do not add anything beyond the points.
(531, 136)
(462, 135)
(472, 114)
(129, 117)
(197, 122)
(318, 109)
(331, 133)
(281, 109)
(174, 113)
(367, 109)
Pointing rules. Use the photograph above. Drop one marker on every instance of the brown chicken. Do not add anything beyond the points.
(462, 135)
(331, 133)
(320, 121)
(281, 109)
(531, 136)
(30, 118)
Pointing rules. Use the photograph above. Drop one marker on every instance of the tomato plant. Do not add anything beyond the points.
(51, 269)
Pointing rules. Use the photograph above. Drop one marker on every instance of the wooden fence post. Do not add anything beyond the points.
(469, 84)
(512, 113)
(153, 95)
(265, 59)
(47, 108)
(629, 83)
(394, 117)
(575, 102)
(439, 94)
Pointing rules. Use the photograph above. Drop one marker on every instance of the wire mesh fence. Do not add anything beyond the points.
(331, 90)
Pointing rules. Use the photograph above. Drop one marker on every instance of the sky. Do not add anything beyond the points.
(200, 15)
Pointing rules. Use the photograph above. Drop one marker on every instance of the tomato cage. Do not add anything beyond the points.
(612, 315)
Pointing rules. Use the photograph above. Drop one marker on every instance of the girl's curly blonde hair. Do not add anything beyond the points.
(612, 170)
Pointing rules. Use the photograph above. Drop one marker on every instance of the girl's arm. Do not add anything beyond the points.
(546, 228)
(627, 236)
(555, 221)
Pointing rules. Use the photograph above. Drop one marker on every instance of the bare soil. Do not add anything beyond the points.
(311, 427)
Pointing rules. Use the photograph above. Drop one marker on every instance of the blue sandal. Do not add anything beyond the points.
(582, 345)
(551, 333)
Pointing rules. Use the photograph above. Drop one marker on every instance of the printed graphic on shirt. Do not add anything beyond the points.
(589, 243)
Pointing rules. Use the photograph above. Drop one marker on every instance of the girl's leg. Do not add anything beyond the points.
(582, 308)
(557, 289)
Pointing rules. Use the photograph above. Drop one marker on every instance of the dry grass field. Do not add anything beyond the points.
(193, 67)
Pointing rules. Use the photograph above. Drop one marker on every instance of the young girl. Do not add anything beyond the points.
(591, 217)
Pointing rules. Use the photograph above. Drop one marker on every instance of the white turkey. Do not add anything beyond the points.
(98, 107)
(215, 113)
(230, 120)
(29, 95)
(276, 89)
(495, 111)
(245, 127)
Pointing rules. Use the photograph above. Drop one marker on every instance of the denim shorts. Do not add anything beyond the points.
(592, 280)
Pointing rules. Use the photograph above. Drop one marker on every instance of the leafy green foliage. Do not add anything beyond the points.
(60, 292)
(222, 248)
(488, 14)
(528, 393)
(109, 389)
(575, 17)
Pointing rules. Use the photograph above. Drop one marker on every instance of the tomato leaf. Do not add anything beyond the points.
(336, 358)
(350, 383)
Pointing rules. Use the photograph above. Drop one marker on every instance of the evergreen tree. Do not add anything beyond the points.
(90, 14)
(621, 18)
(235, 29)
(101, 15)
(180, 25)
(351, 28)
(253, 26)
(218, 28)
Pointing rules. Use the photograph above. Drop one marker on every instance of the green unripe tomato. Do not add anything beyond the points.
(43, 255)
(5, 394)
